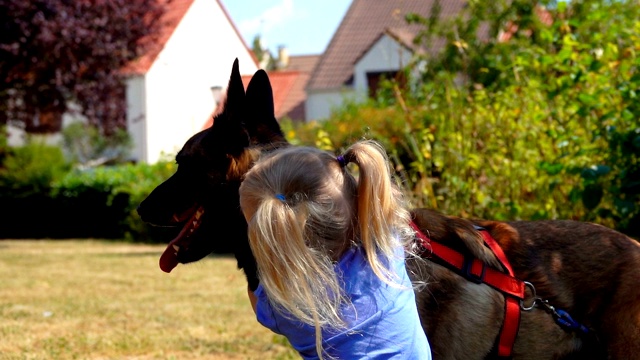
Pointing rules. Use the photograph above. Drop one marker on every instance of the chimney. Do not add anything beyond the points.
(216, 91)
(283, 57)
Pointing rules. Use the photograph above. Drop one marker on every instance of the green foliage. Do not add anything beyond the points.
(31, 168)
(3, 139)
(544, 125)
(134, 182)
(613, 191)
(262, 54)
(36, 183)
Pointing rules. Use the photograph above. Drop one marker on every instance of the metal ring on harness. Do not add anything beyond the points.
(534, 297)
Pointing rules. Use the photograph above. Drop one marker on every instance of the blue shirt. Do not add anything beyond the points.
(382, 322)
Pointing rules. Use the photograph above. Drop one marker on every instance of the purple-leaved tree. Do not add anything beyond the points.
(57, 52)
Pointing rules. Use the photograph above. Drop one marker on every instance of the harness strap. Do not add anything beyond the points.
(478, 272)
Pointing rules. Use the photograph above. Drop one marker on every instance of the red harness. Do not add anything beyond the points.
(478, 272)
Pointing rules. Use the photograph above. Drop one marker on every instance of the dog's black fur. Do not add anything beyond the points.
(590, 271)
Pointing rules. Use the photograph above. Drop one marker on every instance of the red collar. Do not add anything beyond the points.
(478, 272)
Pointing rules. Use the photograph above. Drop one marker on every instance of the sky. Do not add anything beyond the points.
(304, 27)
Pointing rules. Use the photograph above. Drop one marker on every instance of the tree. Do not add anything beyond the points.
(481, 40)
(58, 52)
(549, 103)
(263, 55)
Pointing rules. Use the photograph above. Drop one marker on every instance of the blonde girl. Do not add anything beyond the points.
(330, 257)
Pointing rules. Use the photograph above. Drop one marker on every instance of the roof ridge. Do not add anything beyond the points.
(330, 46)
(235, 28)
(175, 12)
(364, 21)
(169, 21)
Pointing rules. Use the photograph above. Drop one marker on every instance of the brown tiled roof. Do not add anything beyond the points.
(363, 24)
(304, 63)
(403, 35)
(294, 99)
(174, 12)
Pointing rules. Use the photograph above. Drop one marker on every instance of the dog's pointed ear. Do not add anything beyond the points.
(228, 129)
(235, 93)
(260, 119)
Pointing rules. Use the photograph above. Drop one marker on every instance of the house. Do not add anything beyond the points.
(289, 83)
(390, 52)
(372, 41)
(174, 88)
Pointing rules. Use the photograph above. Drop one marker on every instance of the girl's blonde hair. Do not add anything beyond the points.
(304, 209)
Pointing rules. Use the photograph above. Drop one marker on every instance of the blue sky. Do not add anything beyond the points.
(303, 26)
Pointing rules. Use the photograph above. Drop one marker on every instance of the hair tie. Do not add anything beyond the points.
(281, 197)
(341, 161)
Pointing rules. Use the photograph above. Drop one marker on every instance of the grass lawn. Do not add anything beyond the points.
(90, 299)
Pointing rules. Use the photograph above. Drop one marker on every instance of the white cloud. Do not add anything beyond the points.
(268, 20)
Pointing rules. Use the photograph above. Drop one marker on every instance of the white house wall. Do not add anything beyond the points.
(177, 87)
(136, 110)
(16, 136)
(320, 103)
(385, 55)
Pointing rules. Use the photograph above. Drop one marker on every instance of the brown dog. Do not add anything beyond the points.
(589, 273)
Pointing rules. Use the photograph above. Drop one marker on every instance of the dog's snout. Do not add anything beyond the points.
(145, 214)
(140, 211)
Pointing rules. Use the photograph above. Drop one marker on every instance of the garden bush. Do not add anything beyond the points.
(543, 126)
(43, 196)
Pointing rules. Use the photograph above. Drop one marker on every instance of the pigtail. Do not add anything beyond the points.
(304, 209)
(276, 235)
(383, 221)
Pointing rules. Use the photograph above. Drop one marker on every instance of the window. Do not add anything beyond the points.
(375, 79)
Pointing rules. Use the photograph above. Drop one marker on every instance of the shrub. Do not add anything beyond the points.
(38, 187)
(544, 126)
(121, 190)
(31, 168)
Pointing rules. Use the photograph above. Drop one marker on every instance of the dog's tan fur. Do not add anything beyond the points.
(588, 270)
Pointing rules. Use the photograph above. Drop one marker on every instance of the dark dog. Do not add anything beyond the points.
(590, 272)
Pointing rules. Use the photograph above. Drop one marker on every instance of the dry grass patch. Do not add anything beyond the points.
(108, 300)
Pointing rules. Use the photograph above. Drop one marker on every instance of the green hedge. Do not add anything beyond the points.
(42, 197)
